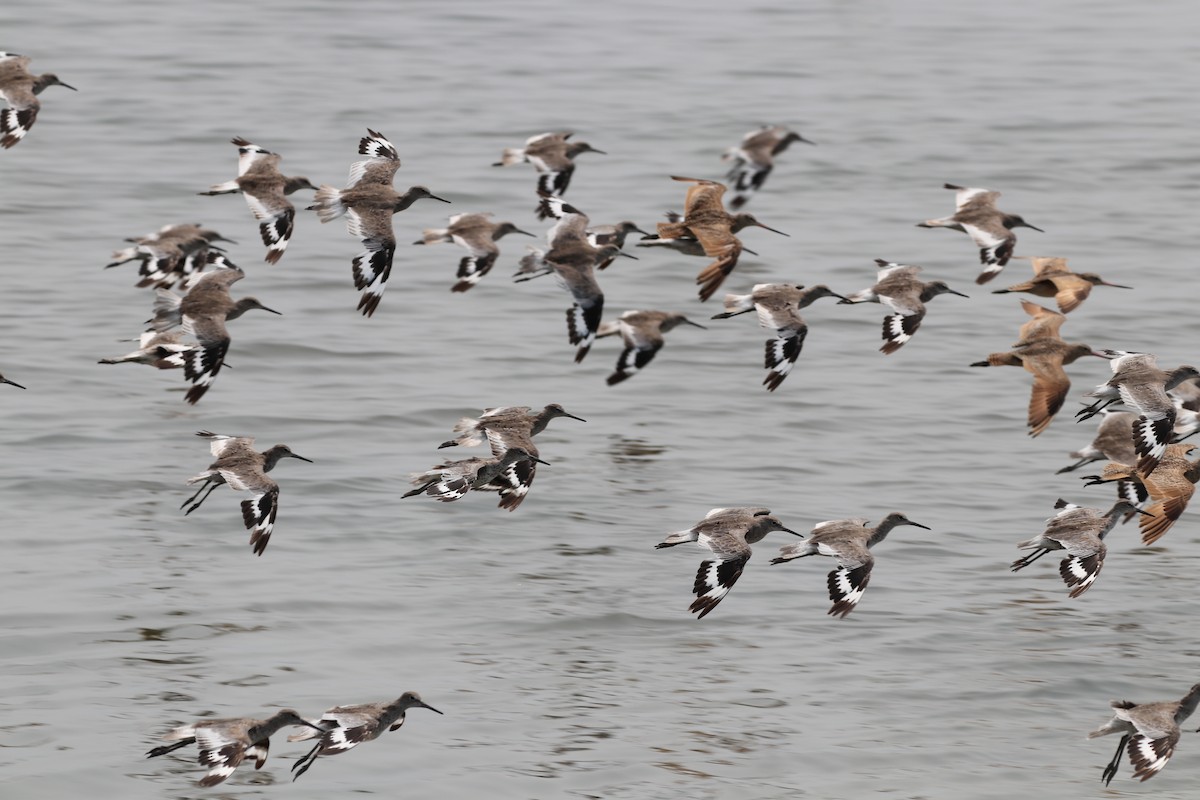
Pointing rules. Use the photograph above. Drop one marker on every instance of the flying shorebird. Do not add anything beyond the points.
(170, 255)
(1080, 532)
(451, 480)
(754, 158)
(897, 285)
(477, 234)
(266, 190)
(20, 89)
(344, 727)
(642, 332)
(242, 468)
(778, 306)
(203, 312)
(155, 349)
(225, 743)
(976, 215)
(1042, 352)
(1137, 381)
(1113, 441)
(850, 542)
(505, 428)
(572, 259)
(1151, 730)
(706, 220)
(554, 158)
(728, 533)
(600, 235)
(1052, 278)
(687, 244)
(369, 203)
(1170, 486)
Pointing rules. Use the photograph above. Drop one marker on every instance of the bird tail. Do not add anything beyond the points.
(328, 203)
(511, 155)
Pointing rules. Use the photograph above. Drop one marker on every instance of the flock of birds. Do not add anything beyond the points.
(1147, 457)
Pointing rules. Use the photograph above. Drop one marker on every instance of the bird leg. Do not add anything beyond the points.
(202, 499)
(167, 748)
(197, 494)
(1021, 563)
(1111, 770)
(304, 762)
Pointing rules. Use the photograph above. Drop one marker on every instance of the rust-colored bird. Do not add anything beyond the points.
(706, 220)
(1052, 278)
(1042, 352)
(1169, 486)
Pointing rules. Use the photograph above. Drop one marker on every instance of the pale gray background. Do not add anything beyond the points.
(555, 638)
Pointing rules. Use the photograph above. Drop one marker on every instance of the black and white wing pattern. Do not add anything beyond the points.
(202, 363)
(260, 509)
(642, 343)
(221, 754)
(373, 266)
(343, 727)
(848, 582)
(1149, 752)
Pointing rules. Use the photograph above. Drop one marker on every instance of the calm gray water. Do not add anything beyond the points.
(556, 639)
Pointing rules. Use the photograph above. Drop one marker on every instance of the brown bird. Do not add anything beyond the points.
(1169, 486)
(266, 190)
(477, 234)
(642, 332)
(369, 203)
(1052, 278)
(898, 286)
(1113, 442)
(976, 215)
(553, 156)
(706, 220)
(20, 89)
(1042, 352)
(170, 255)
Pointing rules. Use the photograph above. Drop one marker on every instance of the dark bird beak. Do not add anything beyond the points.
(302, 458)
(11, 383)
(1143, 513)
(1035, 227)
(273, 311)
(695, 325)
(217, 239)
(1114, 285)
(315, 726)
(840, 298)
(527, 233)
(919, 525)
(789, 530)
(594, 150)
(751, 252)
(419, 704)
(635, 258)
(960, 294)
(772, 230)
(538, 460)
(572, 416)
(435, 197)
(67, 86)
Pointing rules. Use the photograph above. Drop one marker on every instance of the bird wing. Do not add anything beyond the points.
(1071, 291)
(1043, 323)
(219, 753)
(1050, 387)
(372, 267)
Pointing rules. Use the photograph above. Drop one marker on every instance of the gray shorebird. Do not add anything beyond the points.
(1151, 731)
(265, 189)
(1042, 353)
(1113, 441)
(1080, 533)
(477, 234)
(601, 235)
(10, 383)
(706, 220)
(505, 428)
(1052, 278)
(976, 215)
(203, 312)
(754, 158)
(728, 534)
(155, 349)
(778, 306)
(1137, 381)
(344, 727)
(20, 89)
(451, 480)
(1169, 488)
(898, 286)
(572, 259)
(553, 156)
(170, 255)
(242, 468)
(642, 332)
(849, 541)
(369, 203)
(225, 743)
